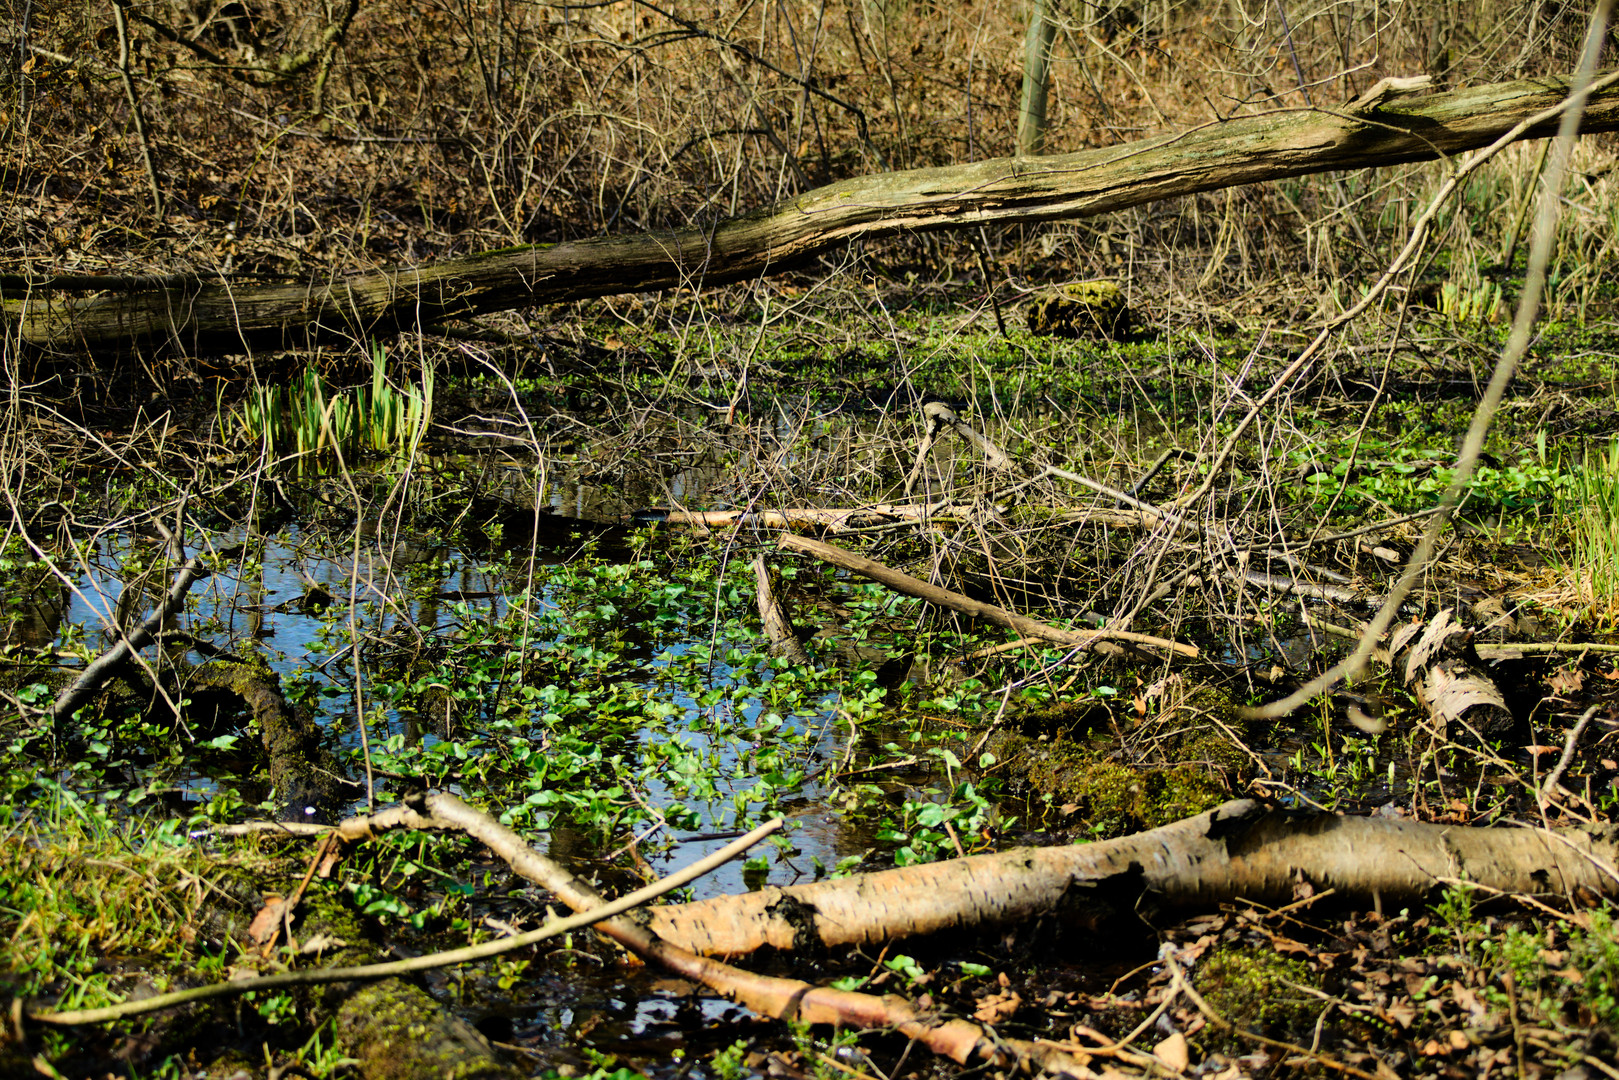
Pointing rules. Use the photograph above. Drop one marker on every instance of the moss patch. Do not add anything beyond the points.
(1112, 798)
(1255, 990)
(1123, 771)
(398, 1032)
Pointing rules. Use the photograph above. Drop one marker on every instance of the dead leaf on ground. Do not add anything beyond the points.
(1566, 681)
(1174, 1053)
(997, 1008)
(1400, 1011)
(267, 923)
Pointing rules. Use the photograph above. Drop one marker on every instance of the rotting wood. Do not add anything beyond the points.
(397, 1031)
(1437, 661)
(308, 780)
(233, 316)
(776, 616)
(1103, 642)
(1240, 850)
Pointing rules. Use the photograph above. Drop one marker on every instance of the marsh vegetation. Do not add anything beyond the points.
(1085, 582)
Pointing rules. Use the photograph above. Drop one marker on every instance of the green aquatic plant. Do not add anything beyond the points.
(308, 418)
(1463, 304)
(393, 420)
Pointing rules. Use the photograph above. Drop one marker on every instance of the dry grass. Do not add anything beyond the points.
(433, 127)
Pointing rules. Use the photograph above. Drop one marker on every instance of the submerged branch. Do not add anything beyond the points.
(90, 679)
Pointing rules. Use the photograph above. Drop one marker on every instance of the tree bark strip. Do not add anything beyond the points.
(1438, 662)
(1240, 850)
(229, 317)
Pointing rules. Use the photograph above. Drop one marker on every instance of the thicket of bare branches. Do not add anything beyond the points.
(283, 135)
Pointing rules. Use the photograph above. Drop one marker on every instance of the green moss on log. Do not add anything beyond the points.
(301, 769)
(398, 1032)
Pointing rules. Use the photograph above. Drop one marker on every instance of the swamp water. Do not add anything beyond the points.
(687, 689)
(605, 689)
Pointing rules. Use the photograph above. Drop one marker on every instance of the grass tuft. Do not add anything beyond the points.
(308, 419)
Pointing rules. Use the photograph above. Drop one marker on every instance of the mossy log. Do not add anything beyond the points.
(399, 1032)
(210, 316)
(393, 1028)
(306, 777)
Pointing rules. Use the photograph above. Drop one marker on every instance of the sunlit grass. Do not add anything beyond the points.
(79, 890)
(1590, 509)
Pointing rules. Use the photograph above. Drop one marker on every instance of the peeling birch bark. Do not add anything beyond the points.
(1439, 664)
(1240, 850)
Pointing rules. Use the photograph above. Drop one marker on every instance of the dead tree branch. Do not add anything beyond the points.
(229, 316)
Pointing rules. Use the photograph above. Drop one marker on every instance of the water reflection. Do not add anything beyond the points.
(331, 611)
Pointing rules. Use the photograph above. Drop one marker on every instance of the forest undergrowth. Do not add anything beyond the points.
(512, 557)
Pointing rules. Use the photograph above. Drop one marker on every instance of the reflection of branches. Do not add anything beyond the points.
(96, 673)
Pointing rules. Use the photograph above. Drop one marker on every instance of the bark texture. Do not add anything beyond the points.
(1239, 850)
(768, 995)
(1438, 663)
(230, 317)
(776, 616)
(305, 775)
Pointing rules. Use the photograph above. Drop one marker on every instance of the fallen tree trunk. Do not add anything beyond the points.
(1240, 850)
(209, 315)
(831, 519)
(1102, 642)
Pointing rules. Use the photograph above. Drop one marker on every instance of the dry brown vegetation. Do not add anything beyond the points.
(287, 136)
